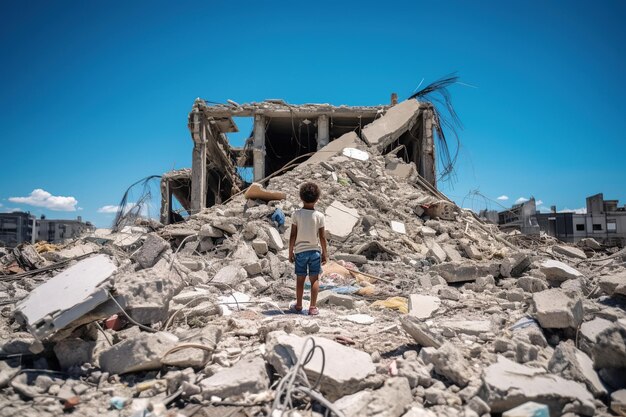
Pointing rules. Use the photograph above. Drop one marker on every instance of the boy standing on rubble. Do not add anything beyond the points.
(307, 245)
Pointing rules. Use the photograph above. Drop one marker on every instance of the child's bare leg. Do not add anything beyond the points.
(315, 288)
(300, 290)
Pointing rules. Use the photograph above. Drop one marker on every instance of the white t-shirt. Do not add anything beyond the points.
(308, 222)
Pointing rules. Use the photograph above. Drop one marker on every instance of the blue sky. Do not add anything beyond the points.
(95, 95)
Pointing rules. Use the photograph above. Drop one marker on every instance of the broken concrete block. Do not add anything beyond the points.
(532, 284)
(610, 348)
(449, 362)
(149, 253)
(614, 284)
(391, 400)
(66, 297)
(569, 251)
(453, 255)
(435, 251)
(507, 384)
(398, 227)
(140, 353)
(558, 271)
(555, 309)
(465, 271)
(420, 332)
(398, 119)
(590, 243)
(341, 300)
(574, 364)
(207, 230)
(519, 263)
(340, 220)
(423, 306)
(347, 140)
(471, 327)
(74, 352)
(589, 332)
(275, 239)
(618, 402)
(346, 370)
(529, 409)
(230, 275)
(426, 231)
(249, 375)
(225, 225)
(470, 250)
(260, 247)
(208, 337)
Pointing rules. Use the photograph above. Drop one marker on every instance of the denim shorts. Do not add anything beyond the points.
(308, 263)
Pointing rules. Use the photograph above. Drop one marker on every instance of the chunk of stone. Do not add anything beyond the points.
(275, 239)
(554, 309)
(207, 230)
(420, 332)
(423, 306)
(618, 402)
(471, 327)
(589, 332)
(519, 263)
(558, 271)
(435, 251)
(392, 125)
(208, 337)
(614, 284)
(465, 271)
(391, 400)
(139, 353)
(590, 243)
(149, 253)
(74, 352)
(230, 275)
(249, 375)
(470, 250)
(398, 227)
(339, 221)
(453, 255)
(419, 412)
(449, 362)
(507, 384)
(346, 370)
(574, 364)
(260, 247)
(569, 251)
(341, 300)
(449, 293)
(428, 231)
(529, 409)
(225, 226)
(532, 284)
(610, 348)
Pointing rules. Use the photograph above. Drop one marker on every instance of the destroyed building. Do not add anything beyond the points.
(285, 134)
(424, 310)
(19, 227)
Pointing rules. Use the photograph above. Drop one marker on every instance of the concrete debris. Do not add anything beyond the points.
(249, 375)
(424, 310)
(555, 309)
(507, 384)
(558, 271)
(529, 409)
(346, 370)
(618, 402)
(590, 243)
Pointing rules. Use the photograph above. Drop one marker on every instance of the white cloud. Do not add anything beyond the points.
(521, 200)
(539, 202)
(42, 198)
(503, 197)
(108, 209)
(582, 210)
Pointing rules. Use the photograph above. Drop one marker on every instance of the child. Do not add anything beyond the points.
(307, 245)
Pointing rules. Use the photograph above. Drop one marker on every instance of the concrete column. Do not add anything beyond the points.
(258, 148)
(198, 163)
(427, 168)
(323, 131)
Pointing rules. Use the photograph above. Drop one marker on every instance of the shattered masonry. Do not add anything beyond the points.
(424, 309)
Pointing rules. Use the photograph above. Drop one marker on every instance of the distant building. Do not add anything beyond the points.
(15, 228)
(603, 220)
(19, 227)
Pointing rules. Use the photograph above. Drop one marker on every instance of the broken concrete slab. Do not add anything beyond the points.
(340, 220)
(275, 239)
(574, 364)
(420, 332)
(589, 332)
(149, 253)
(347, 140)
(569, 251)
(470, 250)
(471, 327)
(590, 243)
(465, 271)
(618, 402)
(346, 370)
(558, 271)
(139, 353)
(449, 362)
(207, 230)
(423, 306)
(398, 119)
(435, 251)
(67, 296)
(208, 337)
(529, 409)
(391, 400)
(507, 384)
(230, 275)
(613, 284)
(249, 375)
(74, 352)
(555, 309)
(260, 247)
(610, 348)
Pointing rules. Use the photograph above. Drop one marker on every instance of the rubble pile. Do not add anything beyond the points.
(424, 311)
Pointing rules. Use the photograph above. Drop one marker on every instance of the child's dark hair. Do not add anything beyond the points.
(309, 192)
